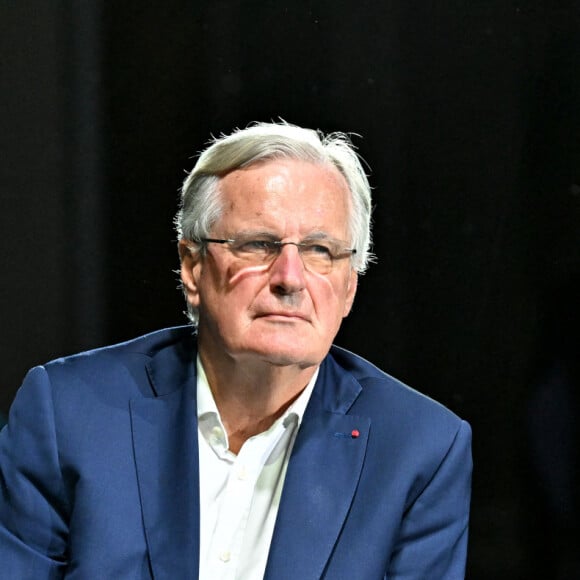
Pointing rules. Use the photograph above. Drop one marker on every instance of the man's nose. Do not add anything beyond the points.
(287, 271)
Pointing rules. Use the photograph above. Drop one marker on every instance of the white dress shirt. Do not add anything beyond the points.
(240, 494)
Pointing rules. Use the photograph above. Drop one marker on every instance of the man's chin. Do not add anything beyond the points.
(300, 346)
(282, 356)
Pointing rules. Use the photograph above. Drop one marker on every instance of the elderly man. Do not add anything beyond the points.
(246, 446)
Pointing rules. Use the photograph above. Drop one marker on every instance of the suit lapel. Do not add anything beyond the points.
(166, 456)
(321, 480)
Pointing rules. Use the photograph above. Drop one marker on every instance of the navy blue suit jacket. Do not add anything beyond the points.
(99, 473)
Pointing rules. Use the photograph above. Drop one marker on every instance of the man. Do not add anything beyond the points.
(252, 447)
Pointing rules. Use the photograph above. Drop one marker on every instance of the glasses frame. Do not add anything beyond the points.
(271, 256)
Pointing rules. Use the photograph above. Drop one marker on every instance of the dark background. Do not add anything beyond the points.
(469, 116)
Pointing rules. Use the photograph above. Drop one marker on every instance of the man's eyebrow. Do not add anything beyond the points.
(317, 235)
(256, 234)
(320, 236)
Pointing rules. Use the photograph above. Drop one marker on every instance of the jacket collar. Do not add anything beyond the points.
(166, 455)
(321, 480)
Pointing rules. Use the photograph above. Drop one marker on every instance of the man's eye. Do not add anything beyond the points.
(255, 246)
(318, 249)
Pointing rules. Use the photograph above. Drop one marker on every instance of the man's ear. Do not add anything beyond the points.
(190, 257)
(351, 287)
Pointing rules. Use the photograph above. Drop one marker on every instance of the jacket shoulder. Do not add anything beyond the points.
(142, 347)
(118, 370)
(384, 394)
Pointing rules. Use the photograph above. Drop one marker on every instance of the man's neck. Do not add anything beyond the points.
(251, 395)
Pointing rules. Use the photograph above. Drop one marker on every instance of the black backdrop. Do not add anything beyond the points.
(469, 117)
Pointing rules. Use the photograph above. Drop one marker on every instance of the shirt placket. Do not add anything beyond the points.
(237, 502)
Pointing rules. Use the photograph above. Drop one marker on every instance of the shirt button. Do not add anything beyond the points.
(225, 556)
(216, 436)
(242, 473)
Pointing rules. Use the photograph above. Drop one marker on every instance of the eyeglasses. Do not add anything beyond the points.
(317, 255)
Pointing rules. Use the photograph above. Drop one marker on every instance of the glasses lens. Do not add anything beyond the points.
(252, 249)
(317, 257)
